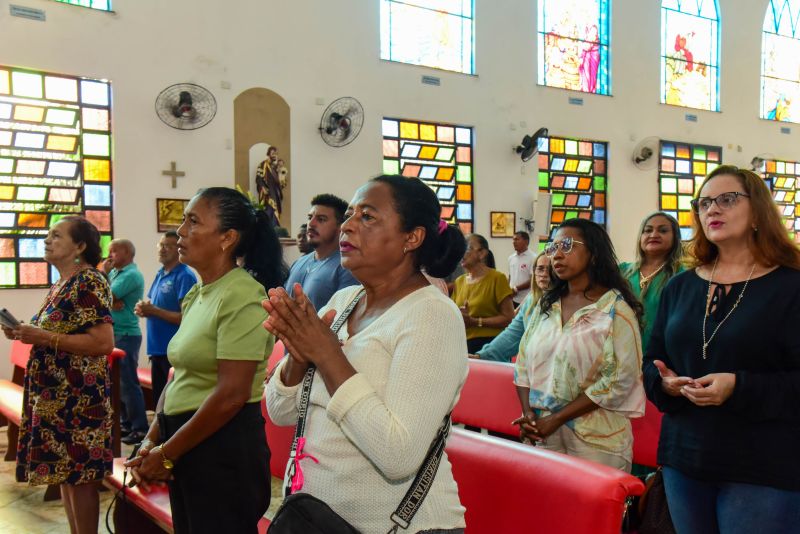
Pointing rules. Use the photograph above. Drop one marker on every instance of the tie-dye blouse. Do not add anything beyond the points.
(597, 352)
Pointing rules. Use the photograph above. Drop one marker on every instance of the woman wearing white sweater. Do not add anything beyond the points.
(384, 387)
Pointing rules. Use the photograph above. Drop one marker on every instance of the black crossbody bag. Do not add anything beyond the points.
(302, 513)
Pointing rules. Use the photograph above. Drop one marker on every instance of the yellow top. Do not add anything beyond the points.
(484, 298)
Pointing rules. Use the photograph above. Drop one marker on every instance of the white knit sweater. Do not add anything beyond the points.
(371, 437)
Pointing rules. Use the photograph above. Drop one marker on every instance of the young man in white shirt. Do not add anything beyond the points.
(520, 267)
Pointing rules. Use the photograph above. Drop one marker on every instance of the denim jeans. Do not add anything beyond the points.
(700, 507)
(133, 416)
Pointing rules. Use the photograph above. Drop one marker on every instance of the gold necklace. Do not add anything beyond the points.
(644, 280)
(708, 305)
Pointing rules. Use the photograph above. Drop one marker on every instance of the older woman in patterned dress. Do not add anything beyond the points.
(65, 432)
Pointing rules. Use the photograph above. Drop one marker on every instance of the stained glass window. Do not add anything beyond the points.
(103, 5)
(780, 62)
(682, 168)
(438, 154)
(575, 172)
(690, 53)
(573, 44)
(783, 179)
(55, 160)
(432, 33)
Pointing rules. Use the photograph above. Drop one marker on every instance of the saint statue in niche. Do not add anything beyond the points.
(271, 180)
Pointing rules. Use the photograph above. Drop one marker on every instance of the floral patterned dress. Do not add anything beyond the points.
(65, 432)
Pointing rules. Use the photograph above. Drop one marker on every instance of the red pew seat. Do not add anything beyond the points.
(513, 488)
(489, 399)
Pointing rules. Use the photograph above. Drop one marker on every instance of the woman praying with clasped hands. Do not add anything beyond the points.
(386, 383)
(723, 364)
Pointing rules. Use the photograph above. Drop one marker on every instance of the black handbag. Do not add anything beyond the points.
(649, 514)
(302, 513)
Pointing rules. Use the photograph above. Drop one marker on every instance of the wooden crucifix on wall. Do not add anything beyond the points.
(173, 173)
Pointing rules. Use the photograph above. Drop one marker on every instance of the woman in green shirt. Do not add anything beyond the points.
(208, 439)
(658, 258)
(483, 295)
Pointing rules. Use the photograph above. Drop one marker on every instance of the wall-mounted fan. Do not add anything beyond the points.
(645, 155)
(186, 106)
(530, 144)
(342, 121)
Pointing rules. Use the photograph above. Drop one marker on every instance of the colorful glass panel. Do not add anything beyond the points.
(780, 62)
(577, 183)
(102, 5)
(690, 53)
(439, 158)
(574, 44)
(682, 168)
(43, 173)
(783, 179)
(432, 33)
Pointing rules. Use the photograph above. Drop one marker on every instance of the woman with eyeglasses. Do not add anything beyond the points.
(723, 364)
(506, 345)
(658, 258)
(483, 295)
(578, 373)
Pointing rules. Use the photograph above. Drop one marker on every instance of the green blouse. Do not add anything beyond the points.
(651, 298)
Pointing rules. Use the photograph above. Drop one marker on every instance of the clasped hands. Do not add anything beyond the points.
(307, 337)
(147, 470)
(533, 428)
(143, 308)
(709, 390)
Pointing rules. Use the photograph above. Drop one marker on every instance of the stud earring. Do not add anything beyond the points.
(77, 260)
(405, 250)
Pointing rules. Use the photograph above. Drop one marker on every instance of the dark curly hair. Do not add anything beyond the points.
(82, 231)
(417, 205)
(258, 244)
(603, 268)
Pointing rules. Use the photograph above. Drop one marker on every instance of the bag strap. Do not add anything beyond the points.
(412, 501)
(305, 392)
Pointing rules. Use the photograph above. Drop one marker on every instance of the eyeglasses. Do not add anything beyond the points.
(725, 201)
(564, 244)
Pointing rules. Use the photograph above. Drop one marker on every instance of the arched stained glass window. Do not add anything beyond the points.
(102, 5)
(780, 64)
(690, 53)
(574, 45)
(55, 160)
(432, 33)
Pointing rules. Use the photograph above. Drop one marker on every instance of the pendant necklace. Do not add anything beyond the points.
(644, 280)
(708, 305)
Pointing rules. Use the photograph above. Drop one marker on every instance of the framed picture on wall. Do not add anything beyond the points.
(169, 213)
(503, 223)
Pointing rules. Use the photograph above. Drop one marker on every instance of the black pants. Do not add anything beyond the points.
(223, 484)
(476, 343)
(159, 369)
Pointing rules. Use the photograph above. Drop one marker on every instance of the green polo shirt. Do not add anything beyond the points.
(127, 285)
(221, 321)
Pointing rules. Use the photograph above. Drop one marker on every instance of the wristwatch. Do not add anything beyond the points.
(166, 462)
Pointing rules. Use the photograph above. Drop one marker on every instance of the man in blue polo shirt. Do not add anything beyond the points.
(163, 308)
(320, 273)
(127, 288)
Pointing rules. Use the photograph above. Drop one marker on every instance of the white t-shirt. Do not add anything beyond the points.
(520, 268)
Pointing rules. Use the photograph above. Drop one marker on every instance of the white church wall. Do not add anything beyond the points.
(322, 49)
